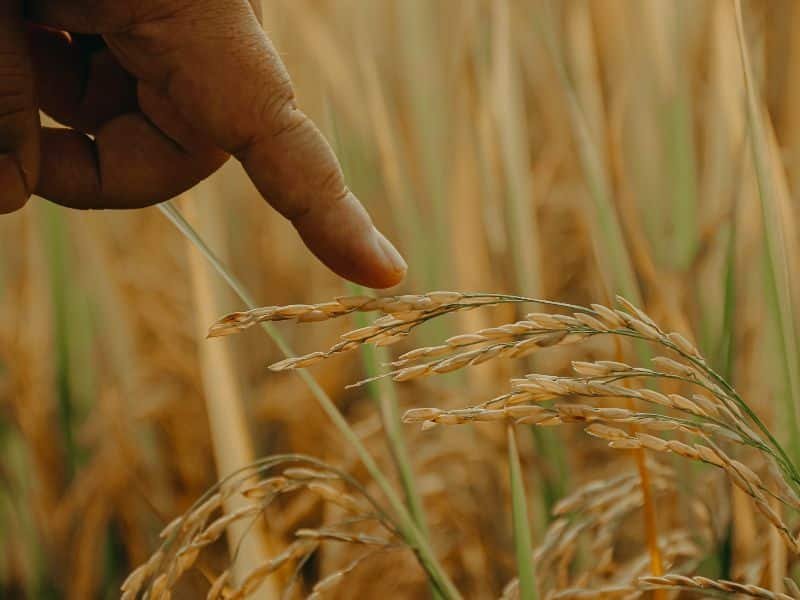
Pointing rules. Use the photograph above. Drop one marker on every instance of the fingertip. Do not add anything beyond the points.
(369, 260)
(393, 266)
(345, 240)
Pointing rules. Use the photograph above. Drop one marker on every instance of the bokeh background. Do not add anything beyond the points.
(570, 150)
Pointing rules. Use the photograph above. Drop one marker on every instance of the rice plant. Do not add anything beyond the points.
(452, 443)
(709, 423)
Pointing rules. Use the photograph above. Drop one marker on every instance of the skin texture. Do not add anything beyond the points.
(167, 90)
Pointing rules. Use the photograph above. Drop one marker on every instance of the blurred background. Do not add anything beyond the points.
(568, 150)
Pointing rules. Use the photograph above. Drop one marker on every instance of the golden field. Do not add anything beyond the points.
(571, 151)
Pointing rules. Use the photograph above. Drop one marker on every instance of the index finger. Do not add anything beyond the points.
(212, 60)
(282, 151)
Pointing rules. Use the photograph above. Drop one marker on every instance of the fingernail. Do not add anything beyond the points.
(392, 257)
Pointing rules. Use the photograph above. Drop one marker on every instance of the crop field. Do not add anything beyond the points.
(588, 386)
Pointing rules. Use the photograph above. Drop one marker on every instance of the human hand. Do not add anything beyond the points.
(157, 94)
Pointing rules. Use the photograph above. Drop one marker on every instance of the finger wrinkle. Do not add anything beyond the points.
(334, 181)
(279, 102)
(294, 119)
(311, 209)
(280, 110)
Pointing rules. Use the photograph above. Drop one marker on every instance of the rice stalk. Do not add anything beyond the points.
(385, 397)
(510, 124)
(522, 223)
(609, 241)
(231, 439)
(410, 531)
(649, 509)
(714, 416)
(778, 263)
(384, 394)
(417, 20)
(519, 514)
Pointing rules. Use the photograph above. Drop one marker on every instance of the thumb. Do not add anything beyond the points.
(216, 65)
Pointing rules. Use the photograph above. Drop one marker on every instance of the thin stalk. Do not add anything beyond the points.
(417, 19)
(777, 268)
(510, 121)
(408, 529)
(650, 522)
(65, 389)
(726, 346)
(227, 420)
(613, 254)
(519, 515)
(521, 221)
(384, 393)
(648, 505)
(676, 118)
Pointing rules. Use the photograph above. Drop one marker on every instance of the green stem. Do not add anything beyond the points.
(408, 529)
(613, 255)
(385, 395)
(777, 271)
(519, 515)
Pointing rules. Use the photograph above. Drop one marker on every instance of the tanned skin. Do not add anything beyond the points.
(156, 95)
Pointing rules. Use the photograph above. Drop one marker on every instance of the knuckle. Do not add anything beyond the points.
(328, 193)
(276, 115)
(288, 120)
(332, 184)
(279, 111)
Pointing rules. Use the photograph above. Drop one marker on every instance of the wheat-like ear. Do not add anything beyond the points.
(682, 582)
(257, 487)
(716, 403)
(710, 416)
(594, 516)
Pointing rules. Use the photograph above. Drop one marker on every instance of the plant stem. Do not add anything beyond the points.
(520, 522)
(385, 395)
(408, 529)
(650, 523)
(777, 271)
(230, 437)
(613, 254)
(648, 506)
